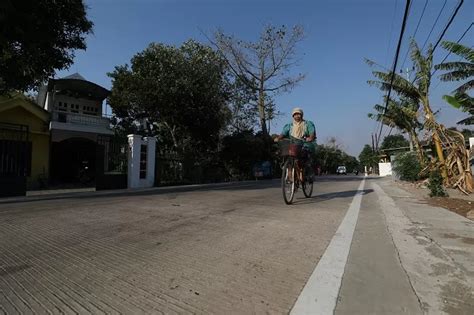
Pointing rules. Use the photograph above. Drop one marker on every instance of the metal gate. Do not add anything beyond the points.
(15, 159)
(112, 162)
(169, 168)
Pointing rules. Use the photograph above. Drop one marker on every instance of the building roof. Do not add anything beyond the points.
(77, 83)
(19, 100)
(75, 76)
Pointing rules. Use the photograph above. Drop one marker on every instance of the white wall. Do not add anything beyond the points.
(81, 102)
(385, 169)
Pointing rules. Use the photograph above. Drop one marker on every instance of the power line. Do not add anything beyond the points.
(436, 21)
(456, 10)
(457, 42)
(376, 124)
(402, 31)
(391, 29)
(449, 23)
(416, 30)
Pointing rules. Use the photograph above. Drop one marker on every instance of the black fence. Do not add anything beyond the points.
(15, 159)
(173, 169)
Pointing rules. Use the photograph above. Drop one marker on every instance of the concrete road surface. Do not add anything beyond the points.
(220, 249)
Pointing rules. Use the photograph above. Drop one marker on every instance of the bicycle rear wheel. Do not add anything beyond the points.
(288, 181)
(308, 183)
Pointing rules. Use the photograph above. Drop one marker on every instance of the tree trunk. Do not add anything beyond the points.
(172, 133)
(419, 150)
(261, 112)
(436, 139)
(261, 104)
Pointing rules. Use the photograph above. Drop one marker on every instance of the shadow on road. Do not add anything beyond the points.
(260, 184)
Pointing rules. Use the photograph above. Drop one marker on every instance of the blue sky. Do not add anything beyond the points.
(339, 35)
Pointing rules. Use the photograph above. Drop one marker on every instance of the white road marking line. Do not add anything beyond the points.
(319, 296)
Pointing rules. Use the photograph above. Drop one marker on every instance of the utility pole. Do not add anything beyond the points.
(373, 146)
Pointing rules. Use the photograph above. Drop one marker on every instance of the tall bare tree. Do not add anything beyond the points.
(265, 65)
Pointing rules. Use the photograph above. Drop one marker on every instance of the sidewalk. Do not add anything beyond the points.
(407, 257)
(48, 192)
(435, 247)
(40, 195)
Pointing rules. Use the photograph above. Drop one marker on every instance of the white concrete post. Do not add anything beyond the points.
(134, 143)
(134, 155)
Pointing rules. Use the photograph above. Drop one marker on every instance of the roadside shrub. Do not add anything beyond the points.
(436, 185)
(407, 166)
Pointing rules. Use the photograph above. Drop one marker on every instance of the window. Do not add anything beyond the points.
(62, 118)
(143, 161)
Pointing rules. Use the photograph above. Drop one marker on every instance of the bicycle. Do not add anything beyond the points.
(296, 160)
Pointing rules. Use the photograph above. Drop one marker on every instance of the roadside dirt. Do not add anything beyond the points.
(456, 202)
(459, 206)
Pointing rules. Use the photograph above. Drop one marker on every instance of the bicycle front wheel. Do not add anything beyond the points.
(288, 181)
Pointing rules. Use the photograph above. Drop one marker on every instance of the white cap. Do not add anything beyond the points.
(297, 110)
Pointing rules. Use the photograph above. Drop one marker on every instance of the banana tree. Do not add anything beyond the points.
(463, 102)
(459, 71)
(417, 91)
(403, 115)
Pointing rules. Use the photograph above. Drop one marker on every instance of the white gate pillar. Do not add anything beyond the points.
(141, 161)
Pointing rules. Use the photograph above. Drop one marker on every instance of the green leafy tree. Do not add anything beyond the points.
(368, 157)
(330, 156)
(394, 142)
(178, 93)
(37, 38)
(407, 166)
(240, 151)
(352, 163)
(243, 114)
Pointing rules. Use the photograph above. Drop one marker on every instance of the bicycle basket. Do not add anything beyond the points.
(288, 148)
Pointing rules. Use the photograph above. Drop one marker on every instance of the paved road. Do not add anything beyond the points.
(218, 249)
(233, 248)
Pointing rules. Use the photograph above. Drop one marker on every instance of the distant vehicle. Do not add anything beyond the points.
(341, 170)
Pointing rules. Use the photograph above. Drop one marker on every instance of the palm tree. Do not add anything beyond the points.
(456, 174)
(401, 114)
(459, 71)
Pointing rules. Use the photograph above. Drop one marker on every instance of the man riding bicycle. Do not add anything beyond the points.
(301, 129)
